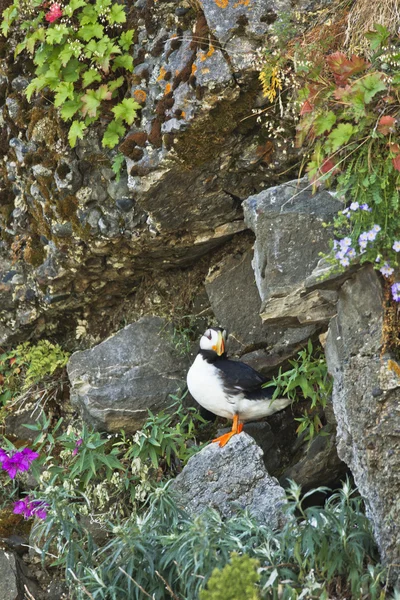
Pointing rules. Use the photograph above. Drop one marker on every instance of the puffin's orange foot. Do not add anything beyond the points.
(224, 439)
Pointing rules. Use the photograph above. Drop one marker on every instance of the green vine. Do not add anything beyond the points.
(81, 56)
(349, 114)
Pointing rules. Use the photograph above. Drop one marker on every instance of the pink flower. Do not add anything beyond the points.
(54, 13)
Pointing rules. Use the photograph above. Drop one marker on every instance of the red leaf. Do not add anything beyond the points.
(386, 125)
(343, 68)
(395, 148)
(12, 361)
(396, 162)
(306, 108)
(328, 166)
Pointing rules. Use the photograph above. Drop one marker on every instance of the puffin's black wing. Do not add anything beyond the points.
(238, 377)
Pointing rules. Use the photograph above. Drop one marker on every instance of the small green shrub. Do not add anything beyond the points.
(309, 380)
(28, 365)
(236, 581)
(82, 57)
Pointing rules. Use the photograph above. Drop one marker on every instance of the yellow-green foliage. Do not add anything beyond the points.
(39, 360)
(28, 364)
(236, 581)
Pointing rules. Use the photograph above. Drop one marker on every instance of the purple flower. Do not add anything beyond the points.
(376, 228)
(365, 207)
(345, 243)
(363, 240)
(31, 508)
(354, 206)
(371, 235)
(345, 262)
(396, 246)
(19, 461)
(3, 455)
(78, 443)
(396, 292)
(386, 270)
(351, 253)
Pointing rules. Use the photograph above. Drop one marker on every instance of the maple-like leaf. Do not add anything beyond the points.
(328, 166)
(126, 110)
(324, 122)
(76, 131)
(115, 130)
(340, 136)
(306, 108)
(396, 162)
(386, 125)
(344, 68)
(395, 148)
(370, 85)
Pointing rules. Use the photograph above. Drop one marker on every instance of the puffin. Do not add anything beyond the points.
(229, 388)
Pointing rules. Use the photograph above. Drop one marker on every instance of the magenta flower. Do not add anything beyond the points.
(78, 443)
(19, 461)
(31, 508)
(54, 13)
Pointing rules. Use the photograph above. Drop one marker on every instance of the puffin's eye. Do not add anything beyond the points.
(208, 334)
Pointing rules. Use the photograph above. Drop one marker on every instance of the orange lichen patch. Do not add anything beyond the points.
(140, 96)
(168, 88)
(241, 3)
(394, 366)
(162, 74)
(205, 71)
(194, 69)
(183, 115)
(222, 3)
(208, 54)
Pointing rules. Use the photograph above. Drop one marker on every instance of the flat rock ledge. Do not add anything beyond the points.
(231, 479)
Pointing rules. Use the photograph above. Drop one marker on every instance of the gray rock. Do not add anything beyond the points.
(368, 425)
(318, 464)
(19, 83)
(8, 577)
(116, 382)
(287, 221)
(13, 107)
(224, 17)
(236, 304)
(229, 479)
(21, 148)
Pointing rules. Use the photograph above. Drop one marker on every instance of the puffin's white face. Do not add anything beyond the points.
(213, 339)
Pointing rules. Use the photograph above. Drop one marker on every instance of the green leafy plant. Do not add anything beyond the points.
(82, 57)
(309, 380)
(348, 124)
(166, 437)
(27, 365)
(321, 552)
(237, 580)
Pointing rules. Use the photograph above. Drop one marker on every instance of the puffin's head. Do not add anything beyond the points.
(214, 339)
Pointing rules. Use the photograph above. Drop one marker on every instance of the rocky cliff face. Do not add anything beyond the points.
(207, 220)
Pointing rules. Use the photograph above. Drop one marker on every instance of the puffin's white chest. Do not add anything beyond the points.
(205, 385)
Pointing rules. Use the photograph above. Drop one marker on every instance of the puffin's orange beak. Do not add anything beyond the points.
(220, 345)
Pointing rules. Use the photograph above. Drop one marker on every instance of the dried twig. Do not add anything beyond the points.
(172, 594)
(136, 583)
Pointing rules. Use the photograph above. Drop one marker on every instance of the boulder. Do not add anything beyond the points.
(229, 479)
(117, 381)
(236, 304)
(366, 400)
(287, 221)
(8, 576)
